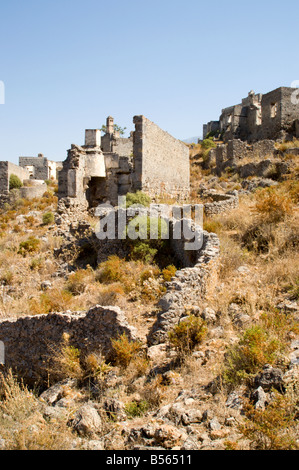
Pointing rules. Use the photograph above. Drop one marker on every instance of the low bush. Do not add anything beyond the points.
(255, 348)
(65, 361)
(169, 272)
(188, 334)
(48, 218)
(21, 424)
(273, 428)
(79, 280)
(212, 226)
(29, 246)
(147, 240)
(273, 205)
(56, 300)
(125, 350)
(139, 198)
(6, 278)
(136, 409)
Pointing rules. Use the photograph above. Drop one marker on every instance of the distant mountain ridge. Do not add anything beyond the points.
(192, 140)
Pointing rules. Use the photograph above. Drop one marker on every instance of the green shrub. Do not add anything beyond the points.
(15, 182)
(142, 251)
(136, 409)
(188, 334)
(138, 198)
(48, 218)
(208, 144)
(150, 245)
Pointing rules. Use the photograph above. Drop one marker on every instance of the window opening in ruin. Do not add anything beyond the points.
(273, 110)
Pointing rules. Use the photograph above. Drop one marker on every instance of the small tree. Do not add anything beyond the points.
(117, 128)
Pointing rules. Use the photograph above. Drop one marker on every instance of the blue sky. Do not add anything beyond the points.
(68, 64)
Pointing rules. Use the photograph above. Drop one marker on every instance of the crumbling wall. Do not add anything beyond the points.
(31, 341)
(230, 155)
(221, 203)
(31, 192)
(187, 289)
(161, 161)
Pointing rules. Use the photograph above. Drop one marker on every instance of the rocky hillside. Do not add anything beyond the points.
(226, 377)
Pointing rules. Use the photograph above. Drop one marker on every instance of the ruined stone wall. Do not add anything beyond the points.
(289, 109)
(7, 169)
(230, 155)
(271, 114)
(161, 161)
(221, 203)
(31, 192)
(187, 289)
(261, 117)
(40, 164)
(31, 341)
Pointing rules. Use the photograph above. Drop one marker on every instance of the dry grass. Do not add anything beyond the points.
(22, 425)
(287, 145)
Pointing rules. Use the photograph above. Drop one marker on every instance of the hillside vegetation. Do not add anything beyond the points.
(228, 378)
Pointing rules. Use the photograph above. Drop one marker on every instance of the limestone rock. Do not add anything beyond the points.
(57, 391)
(86, 421)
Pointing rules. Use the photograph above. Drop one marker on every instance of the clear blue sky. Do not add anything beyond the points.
(68, 64)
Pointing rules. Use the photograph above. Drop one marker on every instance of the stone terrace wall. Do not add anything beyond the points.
(161, 161)
(221, 203)
(29, 341)
(31, 192)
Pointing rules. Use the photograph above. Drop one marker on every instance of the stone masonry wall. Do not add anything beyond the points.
(31, 192)
(40, 164)
(187, 289)
(161, 161)
(221, 203)
(232, 153)
(29, 341)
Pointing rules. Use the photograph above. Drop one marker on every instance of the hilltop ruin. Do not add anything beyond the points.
(259, 117)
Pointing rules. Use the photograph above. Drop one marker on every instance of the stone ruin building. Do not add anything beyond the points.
(246, 134)
(32, 171)
(258, 117)
(107, 166)
(40, 168)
